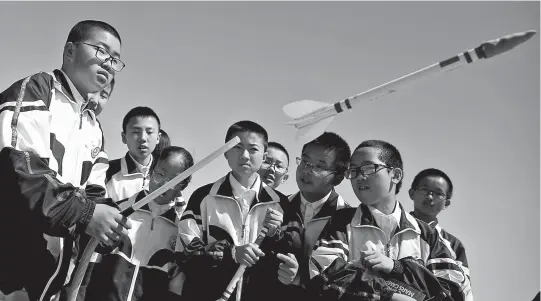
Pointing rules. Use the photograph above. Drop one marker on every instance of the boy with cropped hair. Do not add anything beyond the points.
(223, 219)
(378, 251)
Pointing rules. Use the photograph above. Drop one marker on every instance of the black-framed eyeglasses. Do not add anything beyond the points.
(267, 164)
(160, 179)
(104, 56)
(313, 166)
(365, 170)
(436, 194)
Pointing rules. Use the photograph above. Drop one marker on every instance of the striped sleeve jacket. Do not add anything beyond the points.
(210, 226)
(52, 164)
(423, 266)
(458, 253)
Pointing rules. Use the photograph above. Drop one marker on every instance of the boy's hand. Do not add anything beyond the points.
(273, 221)
(248, 254)
(288, 269)
(107, 224)
(377, 261)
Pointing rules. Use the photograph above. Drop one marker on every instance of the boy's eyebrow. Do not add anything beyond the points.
(106, 47)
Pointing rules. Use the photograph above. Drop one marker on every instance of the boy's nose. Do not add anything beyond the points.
(244, 154)
(108, 65)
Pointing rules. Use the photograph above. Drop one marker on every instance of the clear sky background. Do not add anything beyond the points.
(203, 66)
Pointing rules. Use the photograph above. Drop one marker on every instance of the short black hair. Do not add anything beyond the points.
(165, 141)
(247, 126)
(280, 147)
(333, 142)
(433, 172)
(139, 112)
(183, 155)
(83, 30)
(388, 154)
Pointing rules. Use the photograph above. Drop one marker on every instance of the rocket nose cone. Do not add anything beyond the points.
(528, 34)
(495, 47)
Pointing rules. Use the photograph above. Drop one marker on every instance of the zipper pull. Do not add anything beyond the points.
(81, 120)
(152, 224)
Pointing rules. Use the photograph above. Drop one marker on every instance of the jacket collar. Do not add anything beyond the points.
(432, 223)
(367, 219)
(68, 88)
(262, 196)
(328, 208)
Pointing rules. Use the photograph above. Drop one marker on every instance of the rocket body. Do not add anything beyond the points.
(306, 114)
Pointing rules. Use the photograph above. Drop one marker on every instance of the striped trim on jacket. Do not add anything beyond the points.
(210, 226)
(52, 148)
(413, 247)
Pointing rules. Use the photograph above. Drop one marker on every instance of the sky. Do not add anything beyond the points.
(204, 65)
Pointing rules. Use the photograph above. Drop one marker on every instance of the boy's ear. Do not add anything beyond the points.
(284, 178)
(411, 192)
(265, 156)
(447, 204)
(159, 136)
(123, 135)
(396, 175)
(69, 51)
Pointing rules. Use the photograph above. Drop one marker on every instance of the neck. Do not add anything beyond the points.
(313, 197)
(386, 206)
(244, 180)
(69, 73)
(424, 217)
(143, 161)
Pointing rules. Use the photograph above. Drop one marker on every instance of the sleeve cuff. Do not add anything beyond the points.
(398, 268)
(88, 211)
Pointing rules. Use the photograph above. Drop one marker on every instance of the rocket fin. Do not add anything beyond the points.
(310, 132)
(304, 107)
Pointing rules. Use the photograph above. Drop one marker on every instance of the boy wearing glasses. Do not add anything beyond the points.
(274, 168)
(141, 264)
(431, 192)
(378, 251)
(53, 164)
(320, 169)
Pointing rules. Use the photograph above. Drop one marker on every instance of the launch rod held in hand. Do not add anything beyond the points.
(311, 118)
(78, 274)
(242, 268)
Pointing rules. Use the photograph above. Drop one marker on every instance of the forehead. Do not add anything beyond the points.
(249, 138)
(143, 121)
(171, 164)
(318, 153)
(365, 155)
(434, 182)
(276, 154)
(104, 39)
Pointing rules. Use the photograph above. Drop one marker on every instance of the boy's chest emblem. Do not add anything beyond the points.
(95, 152)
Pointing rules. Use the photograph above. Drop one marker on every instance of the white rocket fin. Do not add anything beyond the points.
(304, 107)
(310, 132)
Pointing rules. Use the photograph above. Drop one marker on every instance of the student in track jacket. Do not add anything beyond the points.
(52, 164)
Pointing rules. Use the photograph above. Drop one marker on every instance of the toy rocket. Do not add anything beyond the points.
(311, 117)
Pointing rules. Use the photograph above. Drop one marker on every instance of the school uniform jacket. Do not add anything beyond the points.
(210, 226)
(422, 264)
(138, 268)
(124, 179)
(292, 239)
(52, 168)
(458, 253)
